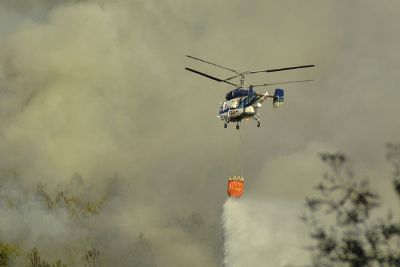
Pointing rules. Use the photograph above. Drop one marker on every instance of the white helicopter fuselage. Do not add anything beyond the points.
(240, 108)
(246, 105)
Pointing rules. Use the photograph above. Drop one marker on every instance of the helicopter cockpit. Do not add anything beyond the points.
(239, 92)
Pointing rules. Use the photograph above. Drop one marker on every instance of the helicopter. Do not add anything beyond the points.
(244, 102)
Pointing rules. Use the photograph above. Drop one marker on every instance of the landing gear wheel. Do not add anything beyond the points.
(225, 125)
(258, 124)
(237, 126)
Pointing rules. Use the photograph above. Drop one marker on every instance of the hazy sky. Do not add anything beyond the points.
(99, 88)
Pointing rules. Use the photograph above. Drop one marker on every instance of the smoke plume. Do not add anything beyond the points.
(260, 233)
(97, 89)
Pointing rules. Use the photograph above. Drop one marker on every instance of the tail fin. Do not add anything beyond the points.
(279, 97)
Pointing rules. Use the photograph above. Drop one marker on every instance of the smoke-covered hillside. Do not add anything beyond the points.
(107, 145)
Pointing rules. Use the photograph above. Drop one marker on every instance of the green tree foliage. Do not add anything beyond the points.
(91, 258)
(72, 198)
(35, 261)
(340, 222)
(58, 263)
(7, 253)
(34, 258)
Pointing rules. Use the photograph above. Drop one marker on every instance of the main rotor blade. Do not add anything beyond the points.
(235, 71)
(271, 70)
(268, 84)
(281, 69)
(232, 77)
(210, 77)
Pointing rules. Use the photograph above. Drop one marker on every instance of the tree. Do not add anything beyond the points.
(91, 258)
(7, 252)
(142, 253)
(393, 157)
(339, 218)
(35, 261)
(58, 263)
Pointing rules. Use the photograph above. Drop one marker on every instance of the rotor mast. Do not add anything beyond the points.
(242, 79)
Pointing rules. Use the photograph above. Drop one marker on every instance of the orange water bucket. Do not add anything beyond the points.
(235, 186)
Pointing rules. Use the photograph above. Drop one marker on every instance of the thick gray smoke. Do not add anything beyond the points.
(262, 232)
(97, 89)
